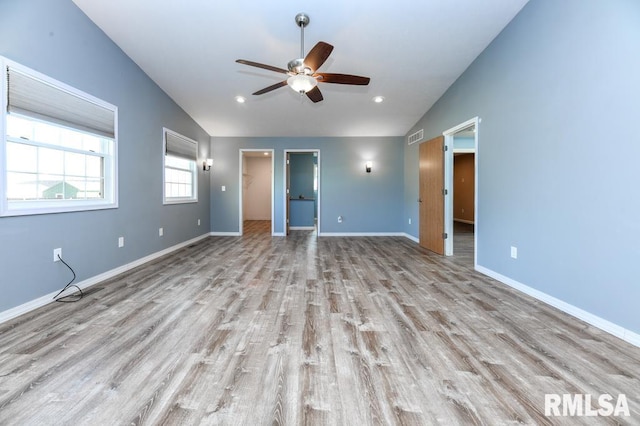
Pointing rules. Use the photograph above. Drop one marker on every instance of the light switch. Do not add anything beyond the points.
(224, 188)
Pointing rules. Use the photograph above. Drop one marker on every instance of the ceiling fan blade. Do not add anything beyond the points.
(316, 57)
(270, 88)
(315, 95)
(263, 66)
(341, 79)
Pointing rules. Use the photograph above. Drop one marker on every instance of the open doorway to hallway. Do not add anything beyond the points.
(256, 191)
(461, 178)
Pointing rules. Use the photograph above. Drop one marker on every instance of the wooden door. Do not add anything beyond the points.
(288, 180)
(432, 195)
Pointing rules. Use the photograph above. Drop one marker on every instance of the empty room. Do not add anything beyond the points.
(341, 213)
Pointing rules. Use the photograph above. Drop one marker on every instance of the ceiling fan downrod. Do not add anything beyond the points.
(302, 20)
(297, 66)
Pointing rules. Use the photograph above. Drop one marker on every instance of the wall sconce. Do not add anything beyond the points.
(206, 165)
(367, 166)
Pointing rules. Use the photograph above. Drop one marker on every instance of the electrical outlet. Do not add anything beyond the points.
(57, 252)
(198, 222)
(409, 221)
(339, 219)
(514, 252)
(121, 242)
(161, 232)
(224, 188)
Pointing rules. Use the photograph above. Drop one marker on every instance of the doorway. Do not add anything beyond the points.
(461, 177)
(256, 191)
(302, 190)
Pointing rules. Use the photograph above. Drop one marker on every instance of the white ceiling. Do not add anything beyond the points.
(412, 51)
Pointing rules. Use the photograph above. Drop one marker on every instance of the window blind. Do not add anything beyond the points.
(35, 98)
(180, 146)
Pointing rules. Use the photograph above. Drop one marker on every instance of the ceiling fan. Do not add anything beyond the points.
(303, 75)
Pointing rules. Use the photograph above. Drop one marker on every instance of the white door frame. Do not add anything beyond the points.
(448, 184)
(241, 185)
(284, 185)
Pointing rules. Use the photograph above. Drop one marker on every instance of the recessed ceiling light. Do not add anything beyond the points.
(240, 99)
(378, 99)
(266, 153)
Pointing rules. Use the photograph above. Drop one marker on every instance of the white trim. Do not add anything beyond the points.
(278, 234)
(4, 102)
(448, 184)
(225, 234)
(302, 228)
(241, 186)
(284, 185)
(412, 238)
(594, 320)
(46, 299)
(362, 234)
(464, 150)
(176, 200)
(470, 222)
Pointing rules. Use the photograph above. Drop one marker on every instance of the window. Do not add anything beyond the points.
(180, 171)
(58, 147)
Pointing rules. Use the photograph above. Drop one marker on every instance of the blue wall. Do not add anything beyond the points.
(54, 37)
(368, 202)
(301, 213)
(557, 92)
(301, 175)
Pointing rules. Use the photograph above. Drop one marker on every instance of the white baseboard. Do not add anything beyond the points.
(614, 329)
(470, 222)
(225, 234)
(278, 234)
(594, 320)
(362, 234)
(302, 228)
(411, 237)
(46, 299)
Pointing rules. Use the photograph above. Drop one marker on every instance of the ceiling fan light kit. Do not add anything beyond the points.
(303, 76)
(302, 83)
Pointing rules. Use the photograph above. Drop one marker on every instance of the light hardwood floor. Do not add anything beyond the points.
(299, 330)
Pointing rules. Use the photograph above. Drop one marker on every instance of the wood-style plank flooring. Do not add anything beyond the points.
(269, 330)
(256, 227)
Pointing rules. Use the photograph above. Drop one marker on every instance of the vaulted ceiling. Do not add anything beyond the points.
(412, 51)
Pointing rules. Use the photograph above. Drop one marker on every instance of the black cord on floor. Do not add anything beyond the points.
(72, 297)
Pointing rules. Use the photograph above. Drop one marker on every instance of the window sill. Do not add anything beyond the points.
(26, 210)
(179, 201)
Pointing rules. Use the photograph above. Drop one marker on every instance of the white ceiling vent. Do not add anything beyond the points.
(416, 137)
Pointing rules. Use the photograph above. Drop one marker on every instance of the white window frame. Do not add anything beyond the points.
(34, 207)
(194, 170)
